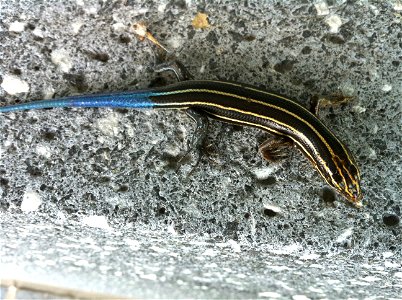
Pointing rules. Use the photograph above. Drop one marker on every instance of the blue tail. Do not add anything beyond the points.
(138, 99)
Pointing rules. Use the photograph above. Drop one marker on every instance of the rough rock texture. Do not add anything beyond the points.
(93, 198)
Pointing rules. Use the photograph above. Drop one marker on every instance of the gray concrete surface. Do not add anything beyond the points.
(91, 198)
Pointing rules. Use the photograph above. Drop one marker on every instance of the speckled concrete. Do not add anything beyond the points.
(92, 198)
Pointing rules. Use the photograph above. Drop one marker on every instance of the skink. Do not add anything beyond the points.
(244, 105)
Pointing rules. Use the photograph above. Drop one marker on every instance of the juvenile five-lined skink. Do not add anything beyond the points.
(243, 105)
